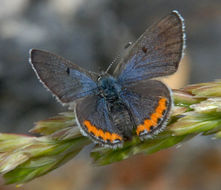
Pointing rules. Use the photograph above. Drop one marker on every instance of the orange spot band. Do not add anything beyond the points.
(152, 122)
(99, 133)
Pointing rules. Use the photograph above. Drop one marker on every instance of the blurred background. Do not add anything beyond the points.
(92, 34)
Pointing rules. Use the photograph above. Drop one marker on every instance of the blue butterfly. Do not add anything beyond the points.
(111, 108)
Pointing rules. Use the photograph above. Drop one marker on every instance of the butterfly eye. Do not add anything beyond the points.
(144, 49)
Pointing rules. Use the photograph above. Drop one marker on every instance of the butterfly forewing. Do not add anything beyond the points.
(63, 78)
(156, 53)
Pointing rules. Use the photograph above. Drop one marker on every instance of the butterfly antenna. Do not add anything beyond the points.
(128, 45)
(117, 57)
(109, 67)
(113, 62)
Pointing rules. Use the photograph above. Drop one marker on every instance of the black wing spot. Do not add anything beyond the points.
(68, 71)
(108, 141)
(163, 112)
(144, 49)
(159, 120)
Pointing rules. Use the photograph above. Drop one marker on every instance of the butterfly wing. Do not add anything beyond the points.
(94, 121)
(150, 103)
(64, 79)
(156, 53)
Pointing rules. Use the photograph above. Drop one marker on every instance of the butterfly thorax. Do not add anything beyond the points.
(109, 89)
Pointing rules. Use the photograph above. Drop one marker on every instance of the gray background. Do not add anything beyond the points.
(92, 33)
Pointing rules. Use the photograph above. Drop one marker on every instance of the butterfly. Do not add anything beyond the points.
(111, 108)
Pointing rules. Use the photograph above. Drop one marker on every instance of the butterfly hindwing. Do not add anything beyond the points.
(150, 103)
(95, 121)
(156, 53)
(66, 80)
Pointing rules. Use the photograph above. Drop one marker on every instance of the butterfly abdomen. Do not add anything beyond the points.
(121, 119)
